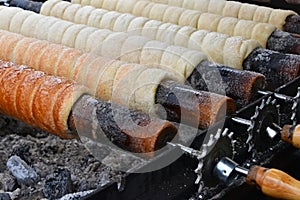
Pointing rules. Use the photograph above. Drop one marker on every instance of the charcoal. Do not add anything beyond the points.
(46, 155)
(22, 150)
(31, 194)
(76, 196)
(8, 183)
(3, 160)
(86, 184)
(4, 196)
(22, 171)
(58, 184)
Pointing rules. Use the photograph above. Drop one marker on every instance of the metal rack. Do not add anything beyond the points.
(176, 181)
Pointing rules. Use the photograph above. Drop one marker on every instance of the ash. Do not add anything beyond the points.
(47, 155)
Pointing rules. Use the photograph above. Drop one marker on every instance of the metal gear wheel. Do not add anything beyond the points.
(219, 145)
(222, 145)
(262, 134)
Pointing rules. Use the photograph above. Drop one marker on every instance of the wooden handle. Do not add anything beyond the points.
(274, 183)
(291, 134)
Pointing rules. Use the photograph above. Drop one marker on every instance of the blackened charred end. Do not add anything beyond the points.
(207, 77)
(284, 42)
(167, 134)
(292, 24)
(278, 68)
(128, 129)
(183, 104)
(259, 83)
(148, 134)
(151, 138)
(27, 5)
(241, 85)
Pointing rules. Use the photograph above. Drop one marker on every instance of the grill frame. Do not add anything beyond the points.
(176, 181)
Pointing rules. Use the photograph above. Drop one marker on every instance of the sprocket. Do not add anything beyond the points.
(222, 146)
(219, 145)
(261, 128)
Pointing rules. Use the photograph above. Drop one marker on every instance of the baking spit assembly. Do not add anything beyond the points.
(187, 99)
